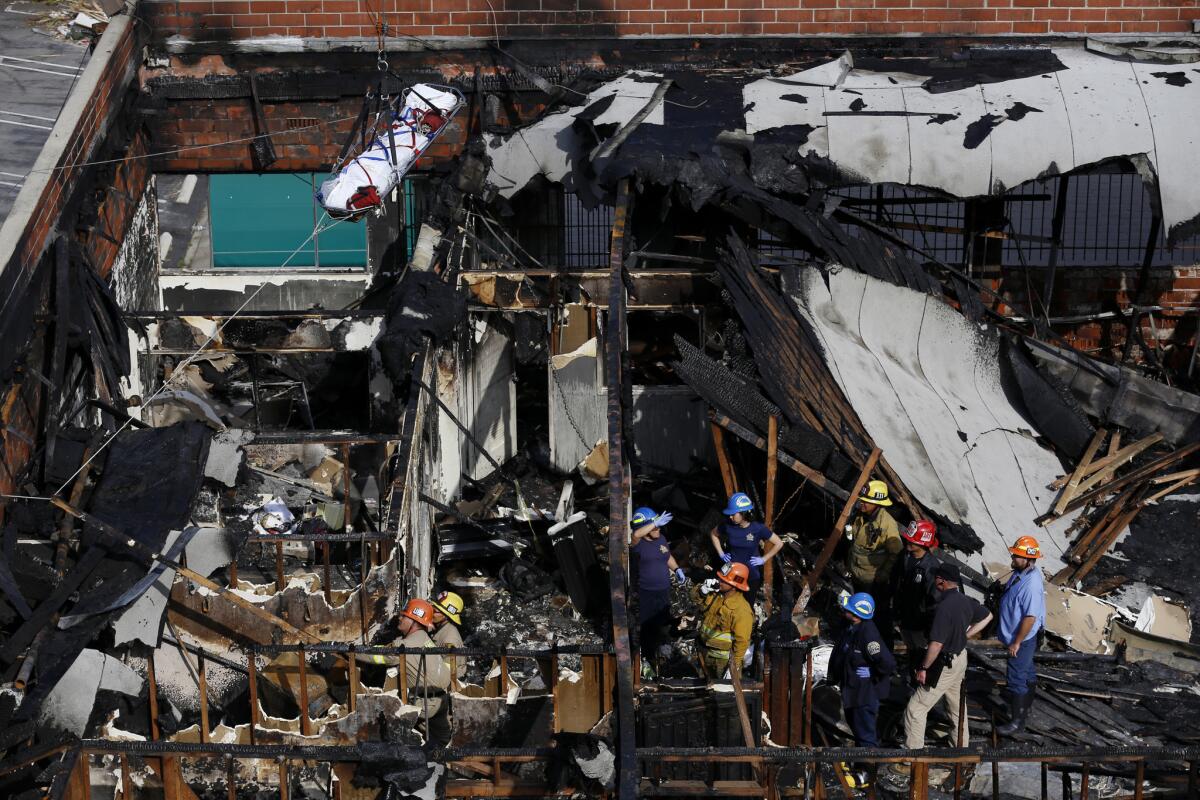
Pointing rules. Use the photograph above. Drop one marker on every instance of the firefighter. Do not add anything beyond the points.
(862, 665)
(940, 673)
(447, 616)
(913, 594)
(428, 676)
(875, 547)
(1022, 616)
(656, 566)
(726, 622)
(745, 539)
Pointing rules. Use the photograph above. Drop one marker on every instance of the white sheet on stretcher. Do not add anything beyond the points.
(374, 167)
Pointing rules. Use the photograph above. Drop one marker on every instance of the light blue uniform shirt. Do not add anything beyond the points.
(1024, 596)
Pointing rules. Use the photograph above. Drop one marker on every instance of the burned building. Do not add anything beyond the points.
(347, 346)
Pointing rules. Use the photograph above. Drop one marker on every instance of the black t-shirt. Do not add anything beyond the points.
(955, 613)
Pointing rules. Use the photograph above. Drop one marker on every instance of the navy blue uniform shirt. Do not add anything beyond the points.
(860, 645)
(742, 543)
(653, 573)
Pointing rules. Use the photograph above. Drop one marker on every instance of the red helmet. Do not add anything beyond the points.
(921, 532)
(736, 575)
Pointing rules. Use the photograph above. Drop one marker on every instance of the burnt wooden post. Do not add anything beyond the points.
(919, 786)
(769, 512)
(352, 680)
(252, 670)
(202, 680)
(279, 583)
(302, 665)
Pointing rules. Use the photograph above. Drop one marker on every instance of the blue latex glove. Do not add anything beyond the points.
(728, 559)
(662, 519)
(680, 576)
(757, 561)
(863, 672)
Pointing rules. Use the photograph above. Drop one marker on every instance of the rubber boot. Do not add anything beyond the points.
(1021, 705)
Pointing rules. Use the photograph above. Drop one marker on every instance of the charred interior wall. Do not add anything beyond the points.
(1083, 292)
(203, 20)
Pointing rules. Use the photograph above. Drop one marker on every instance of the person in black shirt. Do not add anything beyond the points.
(940, 674)
(914, 595)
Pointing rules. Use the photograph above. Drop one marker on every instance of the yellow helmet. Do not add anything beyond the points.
(875, 493)
(449, 604)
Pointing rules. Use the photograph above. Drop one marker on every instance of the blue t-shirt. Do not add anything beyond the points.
(1024, 596)
(653, 573)
(742, 543)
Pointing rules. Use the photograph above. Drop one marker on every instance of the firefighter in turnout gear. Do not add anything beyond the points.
(875, 548)
(862, 666)
(726, 622)
(447, 616)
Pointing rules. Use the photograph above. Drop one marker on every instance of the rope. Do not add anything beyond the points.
(189, 147)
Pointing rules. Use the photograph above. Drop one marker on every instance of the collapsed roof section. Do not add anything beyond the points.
(994, 120)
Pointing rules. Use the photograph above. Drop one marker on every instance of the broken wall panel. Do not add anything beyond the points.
(670, 428)
(577, 404)
(927, 385)
(475, 381)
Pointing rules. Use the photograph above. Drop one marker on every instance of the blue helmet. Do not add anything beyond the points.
(738, 503)
(643, 515)
(861, 605)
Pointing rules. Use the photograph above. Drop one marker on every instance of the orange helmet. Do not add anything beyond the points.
(736, 575)
(1026, 547)
(419, 611)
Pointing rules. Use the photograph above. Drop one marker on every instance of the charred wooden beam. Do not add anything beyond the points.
(618, 493)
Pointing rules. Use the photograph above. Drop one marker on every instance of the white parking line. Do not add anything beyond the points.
(6, 183)
(8, 61)
(12, 174)
(42, 63)
(26, 125)
(26, 116)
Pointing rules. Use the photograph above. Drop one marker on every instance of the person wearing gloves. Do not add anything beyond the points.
(862, 665)
(726, 620)
(744, 540)
(656, 567)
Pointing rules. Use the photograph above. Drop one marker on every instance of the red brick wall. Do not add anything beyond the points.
(57, 212)
(86, 138)
(208, 20)
(197, 129)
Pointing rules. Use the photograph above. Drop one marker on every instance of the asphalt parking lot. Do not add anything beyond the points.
(36, 74)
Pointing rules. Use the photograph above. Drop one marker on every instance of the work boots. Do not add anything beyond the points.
(1019, 705)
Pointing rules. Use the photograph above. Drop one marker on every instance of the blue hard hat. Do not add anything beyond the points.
(643, 515)
(861, 605)
(738, 503)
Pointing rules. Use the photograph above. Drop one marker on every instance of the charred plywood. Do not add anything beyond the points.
(475, 380)
(927, 385)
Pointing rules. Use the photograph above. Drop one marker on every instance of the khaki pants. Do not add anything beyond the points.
(925, 698)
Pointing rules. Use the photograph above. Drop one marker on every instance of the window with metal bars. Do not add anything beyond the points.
(1107, 219)
(548, 228)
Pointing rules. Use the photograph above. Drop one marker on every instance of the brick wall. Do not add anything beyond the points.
(1082, 292)
(306, 135)
(63, 206)
(209, 20)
